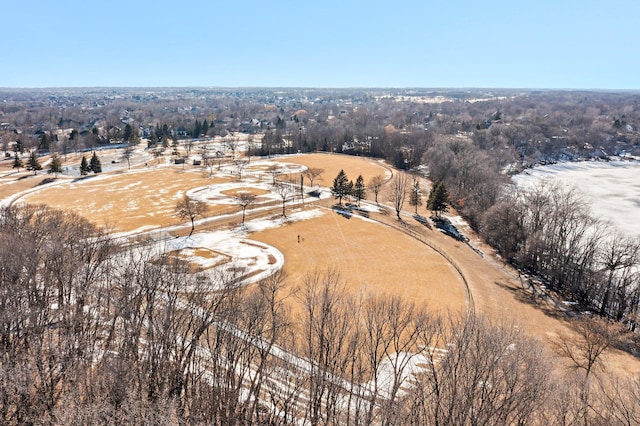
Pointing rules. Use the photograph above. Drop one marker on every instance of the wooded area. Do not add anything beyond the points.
(93, 332)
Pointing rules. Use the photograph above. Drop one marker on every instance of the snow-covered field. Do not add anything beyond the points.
(612, 188)
(232, 251)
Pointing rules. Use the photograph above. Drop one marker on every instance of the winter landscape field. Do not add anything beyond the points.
(296, 234)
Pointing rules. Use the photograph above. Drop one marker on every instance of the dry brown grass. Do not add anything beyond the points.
(333, 163)
(370, 258)
(248, 190)
(130, 200)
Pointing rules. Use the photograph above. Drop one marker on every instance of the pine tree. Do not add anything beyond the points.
(438, 198)
(196, 129)
(414, 199)
(33, 163)
(135, 136)
(128, 131)
(55, 166)
(152, 141)
(340, 186)
(45, 140)
(19, 147)
(94, 164)
(359, 191)
(17, 162)
(84, 166)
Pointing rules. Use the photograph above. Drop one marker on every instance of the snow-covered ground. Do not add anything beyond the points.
(232, 251)
(611, 188)
(214, 194)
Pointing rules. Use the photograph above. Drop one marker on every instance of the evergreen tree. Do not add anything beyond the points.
(94, 164)
(74, 135)
(33, 163)
(55, 166)
(341, 186)
(438, 198)
(128, 131)
(152, 142)
(359, 191)
(414, 199)
(135, 136)
(45, 141)
(17, 162)
(196, 129)
(19, 147)
(205, 128)
(84, 166)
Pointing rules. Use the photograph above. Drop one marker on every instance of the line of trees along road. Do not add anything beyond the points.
(93, 333)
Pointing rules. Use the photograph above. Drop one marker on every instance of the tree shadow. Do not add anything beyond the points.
(537, 298)
(342, 211)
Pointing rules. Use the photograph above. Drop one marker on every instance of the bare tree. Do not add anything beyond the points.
(375, 184)
(415, 198)
(313, 173)
(327, 327)
(188, 144)
(188, 208)
(398, 191)
(285, 191)
(244, 200)
(54, 264)
(240, 165)
(231, 143)
(593, 336)
(274, 170)
(127, 154)
(207, 159)
(619, 255)
(617, 400)
(489, 374)
(393, 336)
(157, 153)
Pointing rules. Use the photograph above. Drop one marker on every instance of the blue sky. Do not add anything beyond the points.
(526, 44)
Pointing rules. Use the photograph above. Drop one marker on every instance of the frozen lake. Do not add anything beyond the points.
(612, 189)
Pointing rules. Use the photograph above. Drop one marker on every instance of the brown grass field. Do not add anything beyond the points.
(370, 257)
(127, 201)
(333, 163)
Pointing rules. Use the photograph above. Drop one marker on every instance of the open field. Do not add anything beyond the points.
(372, 255)
(137, 199)
(333, 163)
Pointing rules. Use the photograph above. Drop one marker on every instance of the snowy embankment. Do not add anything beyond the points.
(612, 189)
